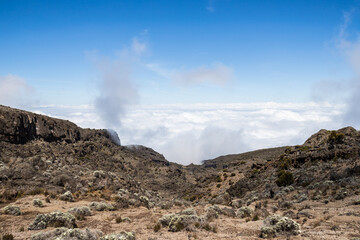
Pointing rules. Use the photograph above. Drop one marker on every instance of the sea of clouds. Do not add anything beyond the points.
(190, 133)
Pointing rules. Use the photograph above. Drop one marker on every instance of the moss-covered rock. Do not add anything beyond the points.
(244, 212)
(54, 219)
(65, 233)
(67, 196)
(120, 236)
(275, 225)
(183, 222)
(12, 210)
(166, 219)
(80, 211)
(212, 212)
(188, 211)
(102, 206)
(38, 203)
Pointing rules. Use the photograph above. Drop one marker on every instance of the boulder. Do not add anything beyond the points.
(181, 222)
(244, 212)
(12, 210)
(102, 206)
(69, 234)
(80, 211)
(38, 203)
(54, 219)
(275, 225)
(67, 196)
(120, 236)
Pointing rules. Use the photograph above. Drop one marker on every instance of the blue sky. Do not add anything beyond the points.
(237, 74)
(276, 50)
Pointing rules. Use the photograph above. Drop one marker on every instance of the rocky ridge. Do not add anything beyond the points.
(301, 187)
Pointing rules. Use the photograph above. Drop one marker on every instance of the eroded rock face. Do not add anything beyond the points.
(18, 126)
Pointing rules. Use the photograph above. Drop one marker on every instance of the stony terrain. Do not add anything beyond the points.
(59, 181)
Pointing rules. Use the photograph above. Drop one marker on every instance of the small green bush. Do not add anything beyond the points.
(285, 178)
(218, 179)
(284, 163)
(335, 137)
(304, 148)
(8, 237)
(157, 227)
(118, 219)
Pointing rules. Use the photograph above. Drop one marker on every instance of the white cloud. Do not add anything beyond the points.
(14, 91)
(216, 74)
(137, 46)
(192, 133)
(351, 50)
(116, 89)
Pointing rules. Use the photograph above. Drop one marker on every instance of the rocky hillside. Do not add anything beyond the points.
(41, 158)
(39, 153)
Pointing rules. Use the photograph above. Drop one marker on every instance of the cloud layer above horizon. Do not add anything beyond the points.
(191, 133)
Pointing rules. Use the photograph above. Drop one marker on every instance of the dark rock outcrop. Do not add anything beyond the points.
(19, 127)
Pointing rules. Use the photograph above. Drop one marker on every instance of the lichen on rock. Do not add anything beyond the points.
(12, 210)
(120, 236)
(244, 212)
(54, 219)
(67, 196)
(65, 233)
(102, 206)
(276, 225)
(38, 203)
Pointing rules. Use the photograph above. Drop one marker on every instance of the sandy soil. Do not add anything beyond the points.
(335, 220)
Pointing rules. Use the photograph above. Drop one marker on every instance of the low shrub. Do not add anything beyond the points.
(8, 237)
(285, 178)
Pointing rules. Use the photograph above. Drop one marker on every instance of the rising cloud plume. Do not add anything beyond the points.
(14, 91)
(117, 90)
(351, 50)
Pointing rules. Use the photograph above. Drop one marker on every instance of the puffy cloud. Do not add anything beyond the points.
(14, 91)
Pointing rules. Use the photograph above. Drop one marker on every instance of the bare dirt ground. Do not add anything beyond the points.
(335, 220)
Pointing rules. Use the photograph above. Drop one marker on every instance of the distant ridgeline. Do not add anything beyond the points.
(18, 126)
